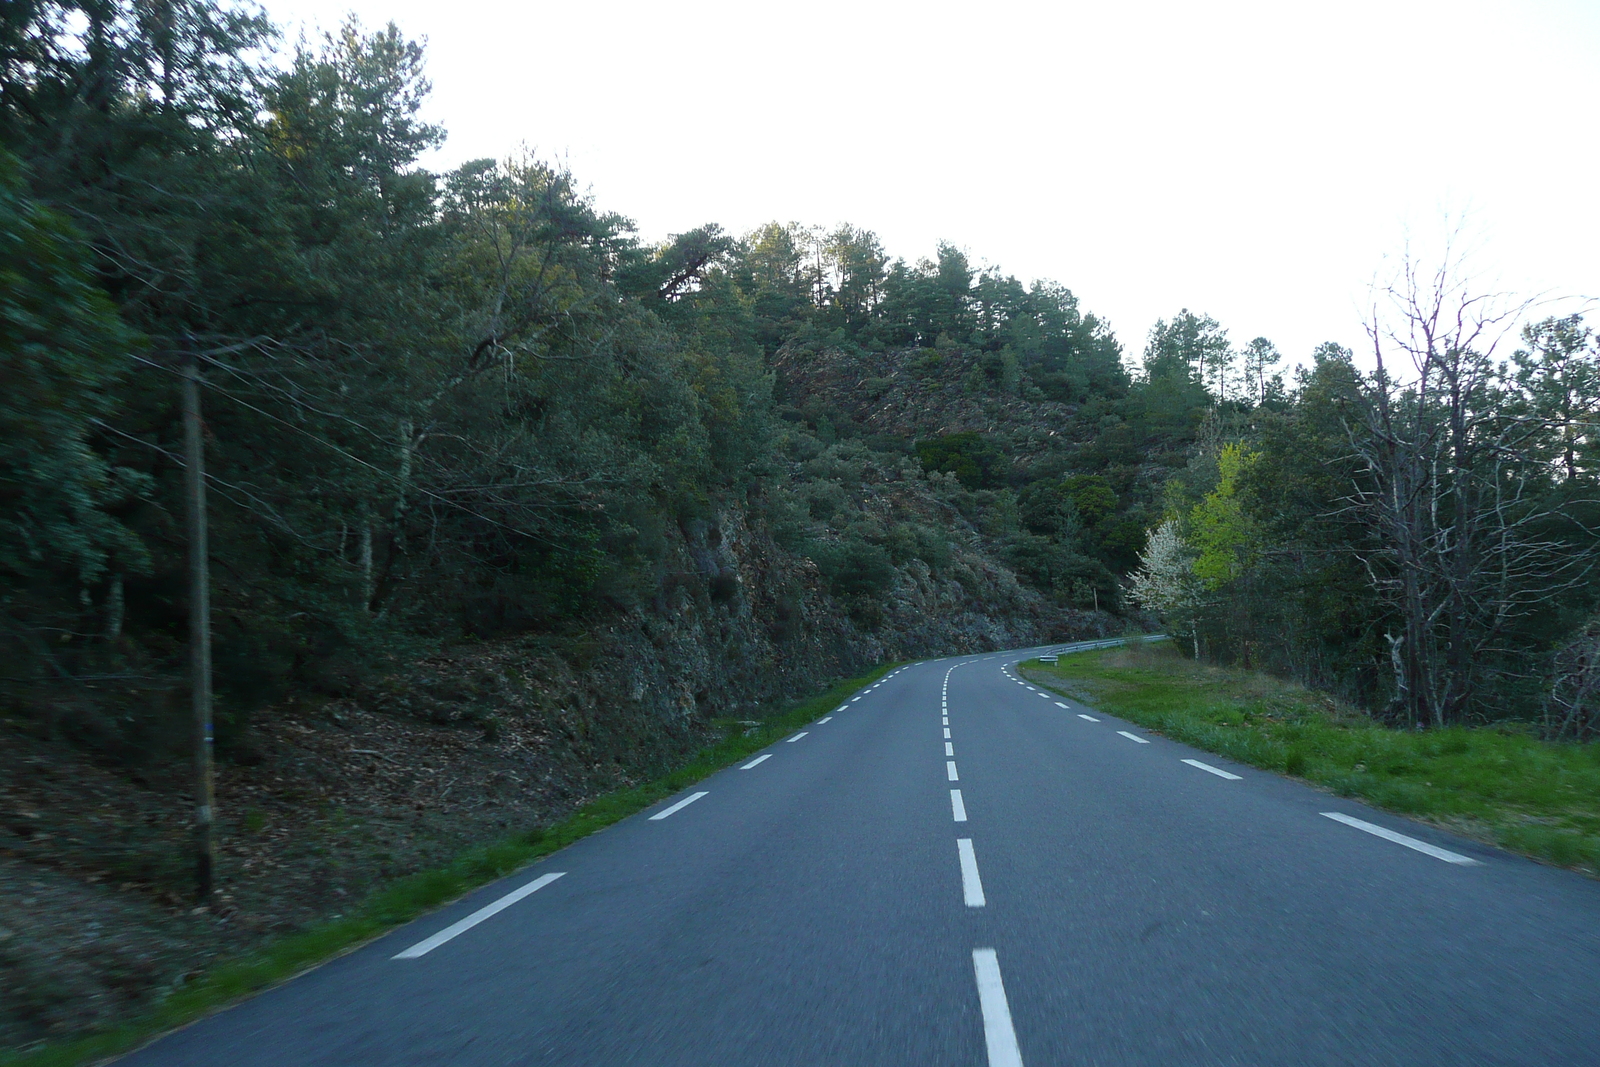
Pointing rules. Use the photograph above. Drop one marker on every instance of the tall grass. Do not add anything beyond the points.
(1499, 784)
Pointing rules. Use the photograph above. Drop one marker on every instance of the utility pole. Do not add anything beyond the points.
(199, 629)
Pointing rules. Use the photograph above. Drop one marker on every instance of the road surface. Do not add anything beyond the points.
(954, 867)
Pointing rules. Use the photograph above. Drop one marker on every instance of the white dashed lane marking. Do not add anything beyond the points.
(971, 884)
(1219, 772)
(1133, 737)
(1401, 839)
(1091, 718)
(999, 1036)
(759, 759)
(427, 945)
(679, 806)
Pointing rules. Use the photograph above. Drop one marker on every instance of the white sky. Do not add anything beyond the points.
(1257, 161)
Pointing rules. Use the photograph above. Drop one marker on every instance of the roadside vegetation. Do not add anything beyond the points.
(1497, 783)
(408, 898)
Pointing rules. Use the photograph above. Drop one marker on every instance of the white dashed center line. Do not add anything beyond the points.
(957, 807)
(1091, 718)
(1059, 704)
(950, 770)
(1401, 839)
(998, 1033)
(679, 806)
(947, 733)
(422, 948)
(949, 749)
(971, 884)
(1219, 772)
(796, 737)
(825, 718)
(757, 760)
(1133, 737)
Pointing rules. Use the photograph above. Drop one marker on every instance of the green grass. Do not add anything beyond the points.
(407, 898)
(1498, 784)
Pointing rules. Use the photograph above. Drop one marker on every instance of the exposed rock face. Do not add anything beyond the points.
(740, 623)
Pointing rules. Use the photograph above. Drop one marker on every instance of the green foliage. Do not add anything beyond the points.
(62, 351)
(971, 457)
(1223, 534)
(855, 568)
(1092, 496)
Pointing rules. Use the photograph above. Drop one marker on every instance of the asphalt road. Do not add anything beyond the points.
(1101, 902)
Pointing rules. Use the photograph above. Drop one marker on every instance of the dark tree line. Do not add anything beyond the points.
(475, 403)
(436, 404)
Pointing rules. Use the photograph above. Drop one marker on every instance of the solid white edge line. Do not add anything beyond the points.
(958, 807)
(427, 945)
(758, 759)
(684, 803)
(1133, 737)
(1219, 772)
(998, 1033)
(796, 737)
(1091, 718)
(971, 884)
(825, 718)
(1401, 839)
(950, 769)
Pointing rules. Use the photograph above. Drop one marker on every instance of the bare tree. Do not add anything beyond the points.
(1465, 535)
(1572, 709)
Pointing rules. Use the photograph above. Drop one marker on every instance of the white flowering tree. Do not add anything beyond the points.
(1165, 582)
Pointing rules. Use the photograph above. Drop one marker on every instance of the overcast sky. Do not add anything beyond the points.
(1259, 162)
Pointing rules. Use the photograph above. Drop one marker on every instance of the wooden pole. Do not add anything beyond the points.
(199, 630)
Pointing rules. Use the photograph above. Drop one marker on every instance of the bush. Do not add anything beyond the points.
(907, 541)
(855, 568)
(971, 457)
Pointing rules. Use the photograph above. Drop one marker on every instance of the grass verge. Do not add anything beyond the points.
(407, 898)
(1497, 784)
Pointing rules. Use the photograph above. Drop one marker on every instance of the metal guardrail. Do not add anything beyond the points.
(1089, 646)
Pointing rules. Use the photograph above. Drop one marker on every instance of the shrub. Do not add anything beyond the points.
(855, 568)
